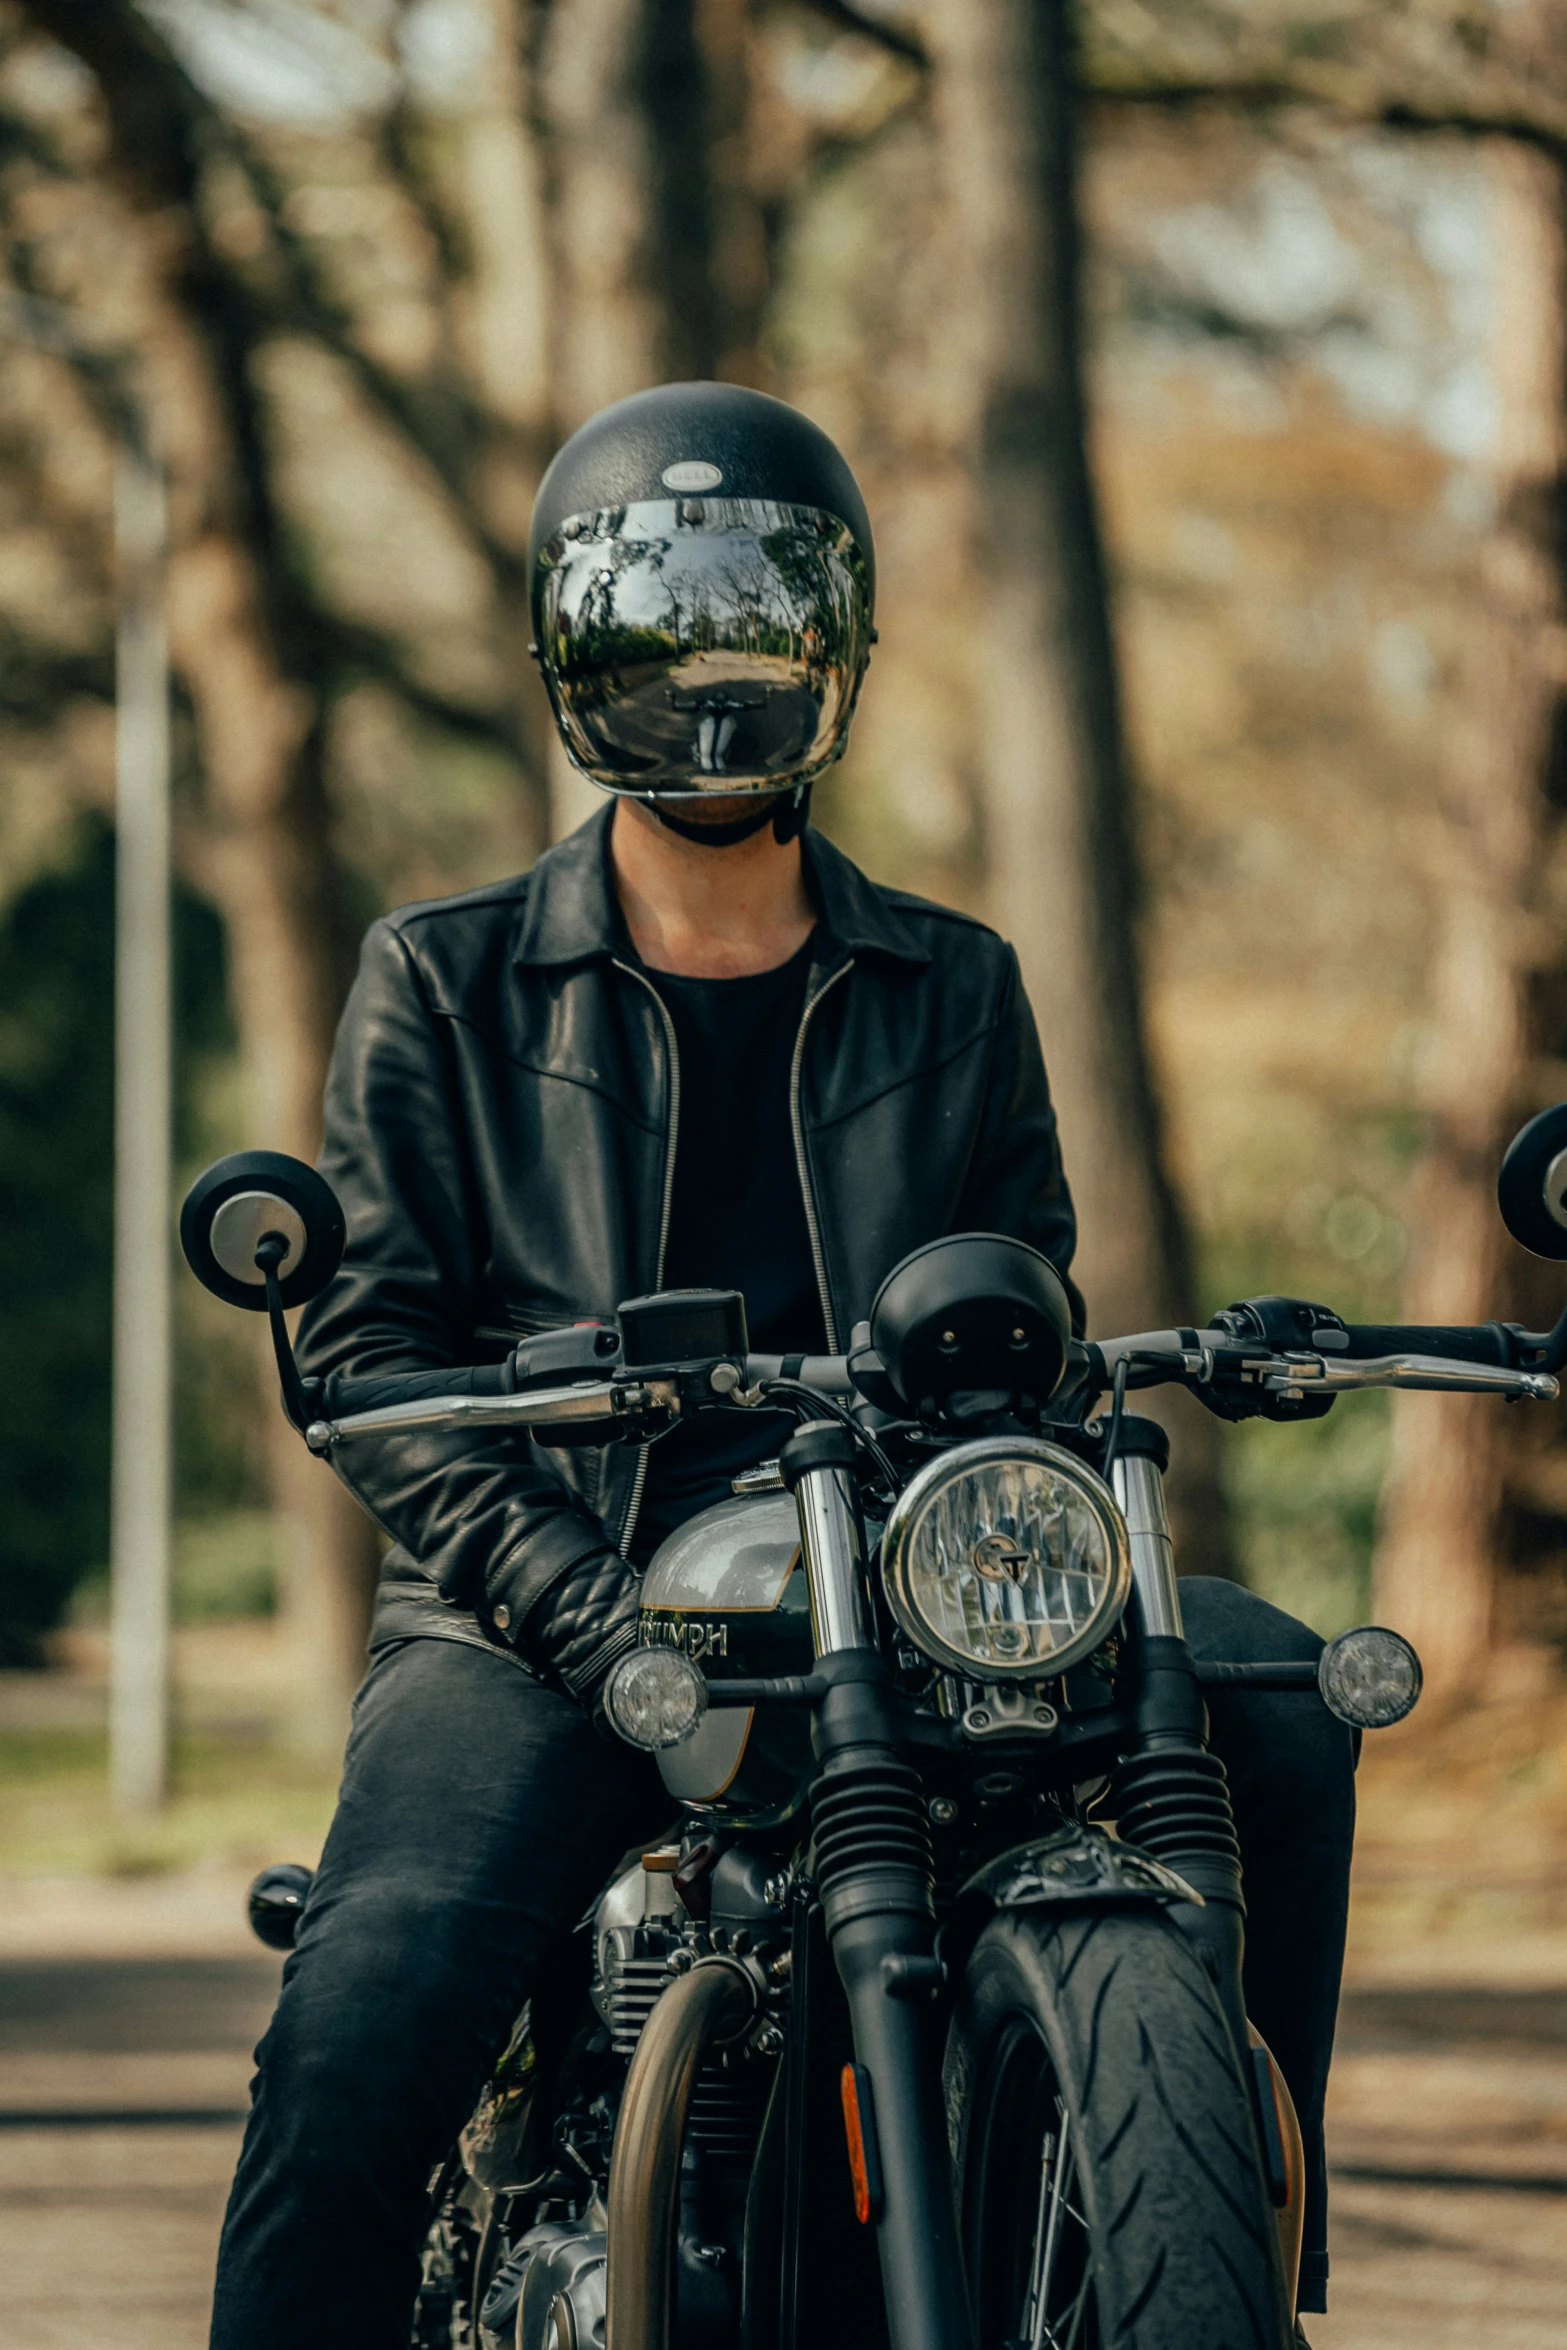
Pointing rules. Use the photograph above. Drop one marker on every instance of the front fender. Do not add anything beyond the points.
(1073, 1869)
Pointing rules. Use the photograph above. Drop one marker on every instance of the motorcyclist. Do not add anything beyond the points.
(694, 1046)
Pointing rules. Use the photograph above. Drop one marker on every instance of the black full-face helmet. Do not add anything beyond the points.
(703, 581)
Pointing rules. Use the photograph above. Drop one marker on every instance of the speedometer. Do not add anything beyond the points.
(1006, 1560)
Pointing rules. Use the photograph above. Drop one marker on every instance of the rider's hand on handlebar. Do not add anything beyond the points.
(582, 1626)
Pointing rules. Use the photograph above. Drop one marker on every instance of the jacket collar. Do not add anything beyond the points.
(572, 914)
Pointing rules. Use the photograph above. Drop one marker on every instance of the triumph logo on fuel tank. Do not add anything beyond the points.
(695, 1638)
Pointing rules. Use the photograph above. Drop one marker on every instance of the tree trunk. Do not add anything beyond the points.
(1442, 1554)
(509, 305)
(1054, 783)
(660, 262)
(246, 653)
(265, 855)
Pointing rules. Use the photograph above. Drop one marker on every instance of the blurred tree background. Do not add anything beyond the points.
(1203, 369)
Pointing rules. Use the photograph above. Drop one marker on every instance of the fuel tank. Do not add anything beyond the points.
(728, 1588)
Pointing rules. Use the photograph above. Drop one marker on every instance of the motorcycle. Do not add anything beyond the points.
(923, 2024)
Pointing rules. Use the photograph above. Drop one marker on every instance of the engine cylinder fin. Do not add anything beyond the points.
(631, 1991)
(726, 2114)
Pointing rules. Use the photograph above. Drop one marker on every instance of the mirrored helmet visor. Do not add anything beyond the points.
(697, 645)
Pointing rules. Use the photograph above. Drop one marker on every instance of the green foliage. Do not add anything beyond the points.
(1305, 1501)
(56, 1214)
(225, 1564)
(1305, 1494)
(226, 1567)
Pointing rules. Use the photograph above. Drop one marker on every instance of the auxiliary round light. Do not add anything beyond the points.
(1006, 1560)
(656, 1698)
(1369, 1677)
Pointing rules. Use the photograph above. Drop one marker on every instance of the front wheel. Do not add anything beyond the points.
(1109, 2192)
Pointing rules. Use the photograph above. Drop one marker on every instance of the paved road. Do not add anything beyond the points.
(108, 2230)
(108, 2225)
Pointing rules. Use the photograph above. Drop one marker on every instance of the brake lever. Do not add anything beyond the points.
(1314, 1375)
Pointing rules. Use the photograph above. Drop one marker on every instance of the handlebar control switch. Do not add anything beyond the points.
(1286, 1323)
(1283, 1326)
(1369, 1677)
(585, 1349)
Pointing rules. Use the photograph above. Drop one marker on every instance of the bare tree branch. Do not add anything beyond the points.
(441, 423)
(166, 131)
(398, 146)
(898, 40)
(37, 680)
(1535, 116)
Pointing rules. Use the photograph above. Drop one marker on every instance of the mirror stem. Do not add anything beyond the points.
(271, 1250)
(1543, 1350)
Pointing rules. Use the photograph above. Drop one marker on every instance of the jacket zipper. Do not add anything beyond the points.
(639, 1476)
(812, 1220)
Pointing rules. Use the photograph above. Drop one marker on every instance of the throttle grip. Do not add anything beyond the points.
(341, 1396)
(1481, 1342)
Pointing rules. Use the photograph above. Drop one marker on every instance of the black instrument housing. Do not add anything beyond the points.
(972, 1314)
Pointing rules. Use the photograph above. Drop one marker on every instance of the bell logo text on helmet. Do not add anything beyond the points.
(693, 473)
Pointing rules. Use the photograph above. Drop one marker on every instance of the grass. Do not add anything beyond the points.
(239, 1802)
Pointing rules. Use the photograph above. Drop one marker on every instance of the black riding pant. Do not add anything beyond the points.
(478, 1816)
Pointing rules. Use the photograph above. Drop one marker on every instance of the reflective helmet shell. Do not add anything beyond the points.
(703, 580)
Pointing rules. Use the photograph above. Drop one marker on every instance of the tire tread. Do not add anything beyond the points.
(1184, 2241)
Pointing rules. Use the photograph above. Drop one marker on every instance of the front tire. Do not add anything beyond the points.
(1109, 2192)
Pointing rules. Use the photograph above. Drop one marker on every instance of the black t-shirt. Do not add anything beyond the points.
(737, 1216)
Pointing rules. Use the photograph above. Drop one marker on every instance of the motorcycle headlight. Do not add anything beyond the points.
(1006, 1560)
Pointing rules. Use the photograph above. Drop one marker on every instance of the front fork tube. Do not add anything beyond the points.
(874, 1878)
(1171, 1795)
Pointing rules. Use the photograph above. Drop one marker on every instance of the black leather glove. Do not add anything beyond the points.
(583, 1625)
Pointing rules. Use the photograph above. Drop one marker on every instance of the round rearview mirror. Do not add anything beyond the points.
(247, 1198)
(971, 1314)
(1532, 1187)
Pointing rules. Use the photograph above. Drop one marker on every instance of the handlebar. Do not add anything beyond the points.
(1483, 1342)
(1476, 1360)
(396, 1403)
(539, 1407)
(828, 1374)
(1473, 1360)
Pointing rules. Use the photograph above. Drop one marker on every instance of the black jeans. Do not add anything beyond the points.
(478, 1816)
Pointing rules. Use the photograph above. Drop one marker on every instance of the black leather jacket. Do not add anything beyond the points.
(500, 1127)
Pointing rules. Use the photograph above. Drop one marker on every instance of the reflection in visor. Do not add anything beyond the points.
(698, 645)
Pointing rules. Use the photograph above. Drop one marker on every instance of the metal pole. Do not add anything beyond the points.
(141, 1480)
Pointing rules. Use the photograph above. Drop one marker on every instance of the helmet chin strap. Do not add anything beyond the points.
(787, 812)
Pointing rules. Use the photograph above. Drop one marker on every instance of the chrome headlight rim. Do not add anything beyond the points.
(909, 1508)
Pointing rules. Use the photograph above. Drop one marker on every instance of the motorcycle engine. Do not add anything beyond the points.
(548, 2294)
(644, 1936)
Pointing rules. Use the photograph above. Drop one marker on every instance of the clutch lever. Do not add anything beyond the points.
(556, 1407)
